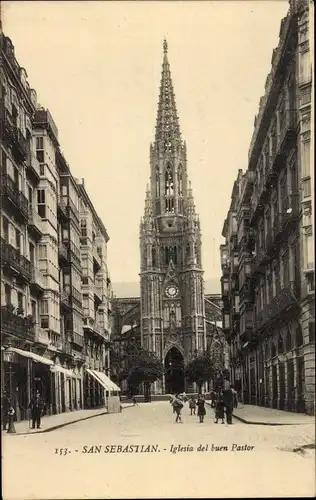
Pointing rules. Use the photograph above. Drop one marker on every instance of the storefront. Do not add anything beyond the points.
(100, 390)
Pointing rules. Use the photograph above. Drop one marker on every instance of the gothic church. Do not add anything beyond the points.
(171, 279)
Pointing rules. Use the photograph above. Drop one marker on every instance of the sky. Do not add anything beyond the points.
(96, 66)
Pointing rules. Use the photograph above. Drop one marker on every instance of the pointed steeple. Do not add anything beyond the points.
(167, 125)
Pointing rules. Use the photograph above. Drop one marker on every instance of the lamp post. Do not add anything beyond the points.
(8, 356)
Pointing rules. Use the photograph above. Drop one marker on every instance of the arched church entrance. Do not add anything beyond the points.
(174, 371)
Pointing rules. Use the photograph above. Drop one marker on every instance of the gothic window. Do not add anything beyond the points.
(169, 206)
(166, 316)
(273, 350)
(178, 315)
(168, 181)
(298, 336)
(288, 343)
(280, 345)
(180, 181)
(157, 182)
(154, 257)
(170, 254)
(195, 254)
(188, 252)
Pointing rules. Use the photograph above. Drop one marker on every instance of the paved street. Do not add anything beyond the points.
(265, 466)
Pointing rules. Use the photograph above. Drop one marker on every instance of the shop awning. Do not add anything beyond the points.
(35, 357)
(105, 381)
(61, 369)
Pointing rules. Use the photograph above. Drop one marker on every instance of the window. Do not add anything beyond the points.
(30, 196)
(17, 239)
(42, 251)
(44, 306)
(40, 149)
(7, 293)
(5, 228)
(20, 301)
(42, 170)
(180, 181)
(306, 159)
(33, 308)
(157, 182)
(168, 181)
(32, 252)
(286, 269)
(83, 228)
(41, 203)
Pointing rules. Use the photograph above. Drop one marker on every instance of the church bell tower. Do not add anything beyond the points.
(171, 277)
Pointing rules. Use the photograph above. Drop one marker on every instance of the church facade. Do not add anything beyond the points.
(172, 305)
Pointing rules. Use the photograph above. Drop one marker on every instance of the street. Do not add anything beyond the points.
(142, 452)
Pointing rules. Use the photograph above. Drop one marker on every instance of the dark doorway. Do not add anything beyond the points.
(174, 374)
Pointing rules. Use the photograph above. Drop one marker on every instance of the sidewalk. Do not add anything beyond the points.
(258, 415)
(53, 422)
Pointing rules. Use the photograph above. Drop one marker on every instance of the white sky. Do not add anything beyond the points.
(96, 66)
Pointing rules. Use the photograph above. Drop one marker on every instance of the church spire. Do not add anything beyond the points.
(167, 125)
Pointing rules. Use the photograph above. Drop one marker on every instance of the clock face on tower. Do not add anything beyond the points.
(172, 291)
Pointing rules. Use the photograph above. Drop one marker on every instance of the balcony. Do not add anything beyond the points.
(97, 257)
(98, 295)
(261, 258)
(66, 347)
(61, 207)
(6, 122)
(286, 300)
(72, 210)
(77, 339)
(63, 252)
(20, 145)
(290, 210)
(41, 336)
(11, 193)
(55, 345)
(38, 280)
(33, 167)
(36, 223)
(287, 130)
(12, 258)
(16, 326)
(64, 299)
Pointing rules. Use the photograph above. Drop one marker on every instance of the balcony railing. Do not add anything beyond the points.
(64, 298)
(61, 206)
(10, 190)
(286, 299)
(63, 251)
(38, 278)
(287, 129)
(21, 145)
(66, 347)
(41, 335)
(35, 222)
(33, 166)
(11, 257)
(12, 324)
(291, 208)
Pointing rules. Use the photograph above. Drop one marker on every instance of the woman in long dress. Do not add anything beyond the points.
(201, 408)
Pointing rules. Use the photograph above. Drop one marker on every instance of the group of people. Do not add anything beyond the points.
(36, 407)
(222, 400)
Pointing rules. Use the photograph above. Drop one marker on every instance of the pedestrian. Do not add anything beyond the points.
(201, 408)
(235, 396)
(36, 407)
(213, 399)
(135, 401)
(228, 398)
(177, 407)
(219, 406)
(192, 405)
(5, 405)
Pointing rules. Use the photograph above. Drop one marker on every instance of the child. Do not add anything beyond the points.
(192, 405)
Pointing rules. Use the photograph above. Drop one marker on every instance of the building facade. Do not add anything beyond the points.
(267, 260)
(42, 313)
(172, 289)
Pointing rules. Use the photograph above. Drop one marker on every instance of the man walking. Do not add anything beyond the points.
(36, 408)
(5, 405)
(228, 398)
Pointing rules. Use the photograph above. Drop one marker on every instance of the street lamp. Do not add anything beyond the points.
(8, 357)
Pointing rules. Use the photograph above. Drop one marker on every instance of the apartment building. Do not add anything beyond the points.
(96, 295)
(268, 266)
(42, 320)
